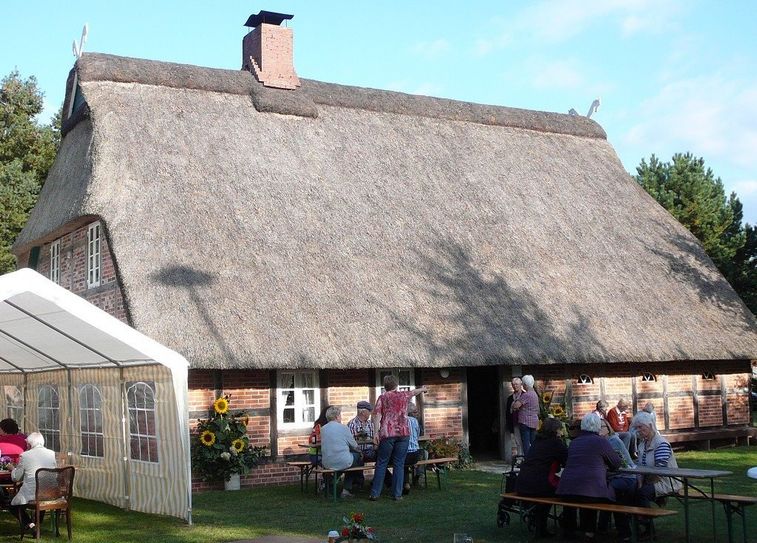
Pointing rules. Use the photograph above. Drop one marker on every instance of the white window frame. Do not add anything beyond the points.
(136, 431)
(14, 403)
(51, 432)
(408, 384)
(55, 262)
(91, 421)
(305, 410)
(94, 255)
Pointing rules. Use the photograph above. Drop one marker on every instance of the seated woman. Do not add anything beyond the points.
(36, 457)
(584, 478)
(12, 443)
(654, 451)
(339, 448)
(537, 472)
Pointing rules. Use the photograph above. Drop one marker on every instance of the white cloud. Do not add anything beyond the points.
(431, 49)
(558, 74)
(548, 21)
(712, 116)
(745, 187)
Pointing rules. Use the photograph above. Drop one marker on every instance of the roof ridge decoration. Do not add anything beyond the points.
(304, 101)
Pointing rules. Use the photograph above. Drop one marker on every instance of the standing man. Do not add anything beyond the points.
(511, 416)
(621, 423)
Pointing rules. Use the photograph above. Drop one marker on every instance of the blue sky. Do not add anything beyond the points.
(672, 75)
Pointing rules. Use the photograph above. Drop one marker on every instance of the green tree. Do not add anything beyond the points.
(27, 151)
(697, 199)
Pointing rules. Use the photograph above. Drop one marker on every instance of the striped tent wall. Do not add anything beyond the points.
(152, 487)
(157, 487)
(101, 479)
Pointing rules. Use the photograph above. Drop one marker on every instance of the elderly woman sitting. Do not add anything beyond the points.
(537, 475)
(654, 451)
(339, 448)
(584, 479)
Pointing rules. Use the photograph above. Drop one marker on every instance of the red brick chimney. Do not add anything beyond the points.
(267, 50)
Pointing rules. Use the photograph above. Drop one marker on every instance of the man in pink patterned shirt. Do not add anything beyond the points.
(393, 437)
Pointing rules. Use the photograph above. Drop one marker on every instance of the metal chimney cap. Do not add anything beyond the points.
(268, 17)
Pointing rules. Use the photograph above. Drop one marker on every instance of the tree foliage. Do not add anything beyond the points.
(696, 198)
(27, 151)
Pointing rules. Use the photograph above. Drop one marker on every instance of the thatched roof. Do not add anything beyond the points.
(338, 227)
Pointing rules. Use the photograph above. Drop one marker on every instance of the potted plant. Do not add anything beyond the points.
(221, 449)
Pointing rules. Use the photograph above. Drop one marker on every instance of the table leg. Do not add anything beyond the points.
(712, 503)
(686, 508)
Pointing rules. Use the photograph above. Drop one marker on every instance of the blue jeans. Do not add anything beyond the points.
(396, 449)
(527, 436)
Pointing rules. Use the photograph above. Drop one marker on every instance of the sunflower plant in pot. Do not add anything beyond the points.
(221, 448)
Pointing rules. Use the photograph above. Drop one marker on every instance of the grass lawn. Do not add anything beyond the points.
(468, 505)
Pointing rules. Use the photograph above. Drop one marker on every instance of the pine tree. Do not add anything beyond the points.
(697, 199)
(27, 151)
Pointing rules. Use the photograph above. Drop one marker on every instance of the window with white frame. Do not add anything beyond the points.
(143, 437)
(14, 403)
(91, 421)
(298, 398)
(93, 255)
(55, 262)
(48, 415)
(405, 377)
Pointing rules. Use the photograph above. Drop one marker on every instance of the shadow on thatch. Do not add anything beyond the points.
(712, 288)
(491, 322)
(193, 280)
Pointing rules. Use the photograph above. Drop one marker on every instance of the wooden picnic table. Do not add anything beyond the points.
(684, 475)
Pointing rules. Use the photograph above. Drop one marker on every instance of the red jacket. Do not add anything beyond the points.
(620, 422)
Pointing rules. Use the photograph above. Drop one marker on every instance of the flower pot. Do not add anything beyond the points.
(232, 483)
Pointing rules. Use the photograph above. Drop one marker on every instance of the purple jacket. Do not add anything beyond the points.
(585, 474)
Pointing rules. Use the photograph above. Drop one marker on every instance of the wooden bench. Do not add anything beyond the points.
(335, 473)
(433, 463)
(306, 467)
(635, 512)
(731, 504)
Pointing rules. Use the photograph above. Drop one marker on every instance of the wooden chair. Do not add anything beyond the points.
(53, 493)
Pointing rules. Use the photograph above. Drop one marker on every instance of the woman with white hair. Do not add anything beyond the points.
(527, 408)
(30, 461)
(584, 479)
(654, 451)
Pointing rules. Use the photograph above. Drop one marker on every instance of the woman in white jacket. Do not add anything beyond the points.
(29, 462)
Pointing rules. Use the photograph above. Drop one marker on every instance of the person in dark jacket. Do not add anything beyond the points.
(584, 478)
(537, 473)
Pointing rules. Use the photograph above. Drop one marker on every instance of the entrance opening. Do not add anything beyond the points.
(483, 412)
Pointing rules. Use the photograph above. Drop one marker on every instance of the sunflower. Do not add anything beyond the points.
(557, 410)
(221, 405)
(207, 438)
(547, 397)
(238, 445)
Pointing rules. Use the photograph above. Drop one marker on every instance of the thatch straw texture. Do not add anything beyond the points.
(382, 230)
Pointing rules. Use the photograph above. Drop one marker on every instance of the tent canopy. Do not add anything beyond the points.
(45, 328)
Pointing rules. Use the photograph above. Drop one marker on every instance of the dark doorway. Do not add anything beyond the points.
(483, 412)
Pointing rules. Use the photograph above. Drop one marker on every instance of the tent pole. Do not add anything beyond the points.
(125, 438)
(70, 440)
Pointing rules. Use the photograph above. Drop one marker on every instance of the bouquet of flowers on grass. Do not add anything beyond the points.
(355, 528)
(221, 446)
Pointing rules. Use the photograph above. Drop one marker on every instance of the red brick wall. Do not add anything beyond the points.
(73, 271)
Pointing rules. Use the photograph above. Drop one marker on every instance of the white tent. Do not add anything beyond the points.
(110, 400)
